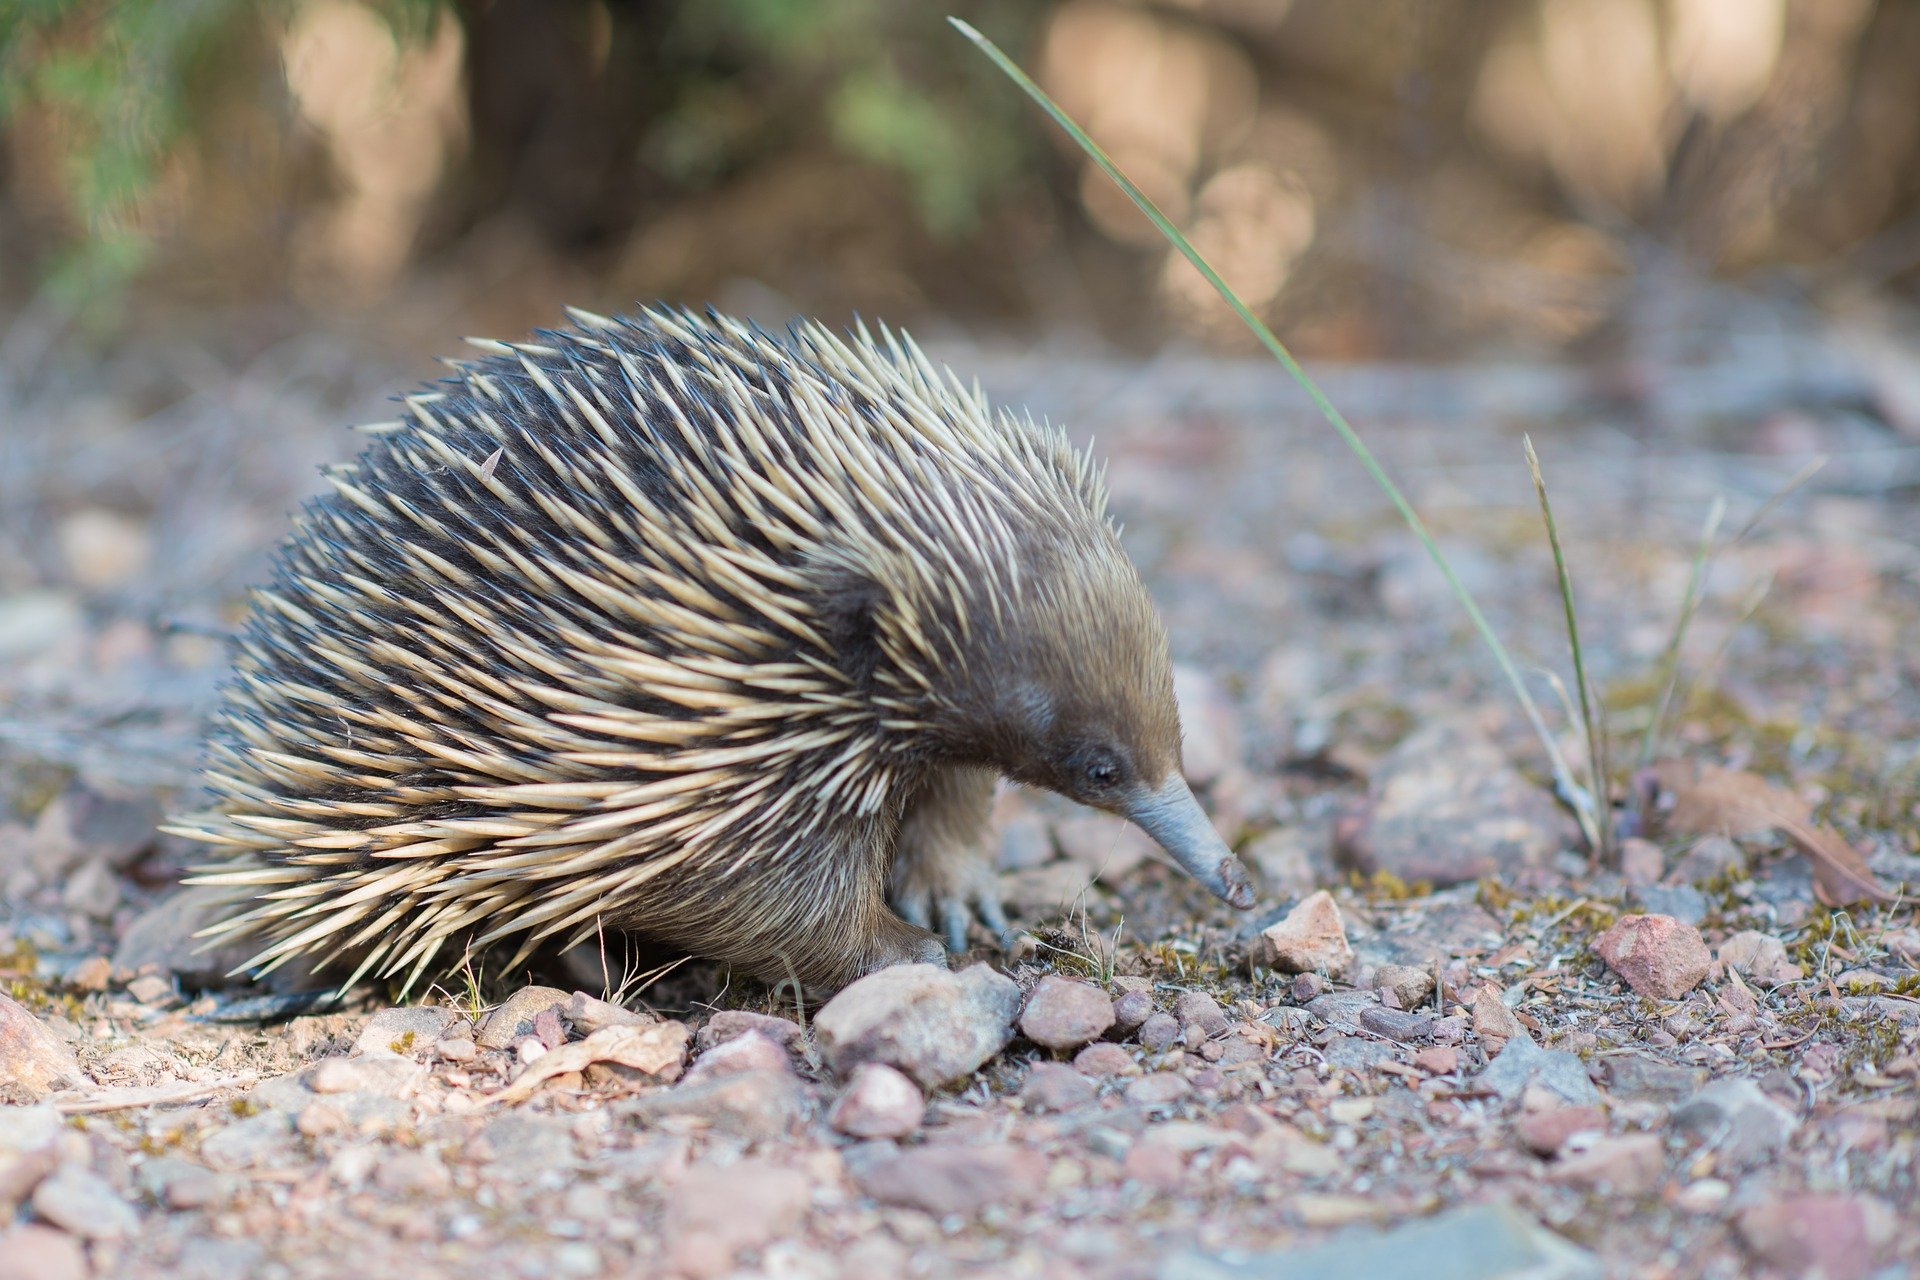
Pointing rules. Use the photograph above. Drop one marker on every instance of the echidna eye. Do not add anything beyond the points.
(1102, 771)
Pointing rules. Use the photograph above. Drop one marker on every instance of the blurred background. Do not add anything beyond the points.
(1382, 178)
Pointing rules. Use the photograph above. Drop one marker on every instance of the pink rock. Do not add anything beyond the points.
(1658, 956)
(1065, 1013)
(1830, 1235)
(34, 1252)
(879, 1102)
(1628, 1166)
(1312, 939)
(32, 1058)
(750, 1051)
(712, 1214)
(1053, 1086)
(1105, 1060)
(1546, 1132)
(951, 1179)
(1641, 861)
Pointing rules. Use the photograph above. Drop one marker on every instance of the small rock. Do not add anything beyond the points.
(1476, 1242)
(319, 1119)
(935, 1025)
(1312, 939)
(84, 1204)
(1308, 987)
(1053, 1086)
(30, 1128)
(1130, 1009)
(1159, 1032)
(402, 1174)
(34, 1252)
(91, 974)
(1410, 986)
(458, 1049)
(91, 890)
(1523, 1063)
(1198, 1009)
(943, 1180)
(1826, 1234)
(1545, 1132)
(20, 1173)
(179, 1184)
(1158, 1089)
(385, 1075)
(713, 1214)
(1628, 1166)
(1105, 1060)
(1438, 1060)
(1759, 956)
(162, 938)
(728, 1023)
(752, 1051)
(151, 989)
(1357, 1053)
(1065, 1013)
(589, 1014)
(1637, 1076)
(759, 1106)
(253, 1143)
(33, 1060)
(1641, 861)
(1446, 807)
(404, 1030)
(548, 1029)
(1342, 1009)
(1658, 956)
(1396, 1024)
(1738, 1121)
(1709, 859)
(102, 548)
(879, 1102)
(1493, 1023)
(514, 1019)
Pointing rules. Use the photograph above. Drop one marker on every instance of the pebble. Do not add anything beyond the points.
(728, 1023)
(1409, 986)
(1159, 1032)
(1158, 1089)
(713, 1214)
(460, 1049)
(1311, 939)
(935, 1025)
(879, 1102)
(1446, 807)
(1523, 1063)
(1707, 859)
(943, 1180)
(1053, 1086)
(1130, 1009)
(383, 1074)
(404, 1031)
(759, 1106)
(1658, 956)
(1438, 1060)
(1476, 1242)
(177, 1183)
(1682, 901)
(1065, 1013)
(1629, 1166)
(1198, 1009)
(1545, 1132)
(1827, 1234)
(514, 1018)
(34, 1252)
(1736, 1120)
(1759, 956)
(84, 1204)
(1308, 987)
(1493, 1023)
(253, 1143)
(151, 989)
(33, 1059)
(1396, 1024)
(751, 1051)
(589, 1014)
(91, 974)
(1105, 1060)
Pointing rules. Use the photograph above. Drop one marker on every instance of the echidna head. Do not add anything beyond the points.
(1067, 685)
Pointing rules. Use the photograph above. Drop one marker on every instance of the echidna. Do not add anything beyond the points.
(669, 626)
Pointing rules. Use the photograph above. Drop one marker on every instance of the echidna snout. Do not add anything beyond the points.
(667, 625)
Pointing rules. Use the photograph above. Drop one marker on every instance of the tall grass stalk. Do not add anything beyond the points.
(1563, 778)
(1595, 821)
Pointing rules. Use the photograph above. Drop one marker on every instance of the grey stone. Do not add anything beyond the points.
(1479, 1242)
(1159, 1031)
(32, 1059)
(84, 1204)
(1130, 1009)
(1396, 1024)
(932, 1024)
(1065, 1013)
(179, 1184)
(288, 1093)
(1524, 1063)
(949, 1179)
(259, 1141)
(529, 1144)
(879, 1102)
(514, 1019)
(1343, 1008)
(1198, 1009)
(163, 938)
(1737, 1120)
(1357, 1053)
(408, 1030)
(728, 1023)
(1636, 1076)
(759, 1106)
(1054, 1086)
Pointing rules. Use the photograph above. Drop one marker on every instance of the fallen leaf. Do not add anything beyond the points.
(1711, 800)
(659, 1050)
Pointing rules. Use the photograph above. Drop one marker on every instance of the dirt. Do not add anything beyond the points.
(1283, 1112)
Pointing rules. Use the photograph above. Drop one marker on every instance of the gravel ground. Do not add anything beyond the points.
(1444, 1041)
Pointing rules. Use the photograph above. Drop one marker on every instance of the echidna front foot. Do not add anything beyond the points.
(943, 876)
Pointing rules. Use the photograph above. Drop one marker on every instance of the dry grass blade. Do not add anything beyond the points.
(1594, 818)
(1563, 777)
